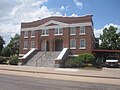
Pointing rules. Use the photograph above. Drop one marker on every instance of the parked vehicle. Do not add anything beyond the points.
(112, 61)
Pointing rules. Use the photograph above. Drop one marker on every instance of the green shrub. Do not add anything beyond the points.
(14, 60)
(71, 63)
(3, 60)
(82, 60)
(85, 58)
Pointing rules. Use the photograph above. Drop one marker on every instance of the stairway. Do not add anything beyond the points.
(43, 59)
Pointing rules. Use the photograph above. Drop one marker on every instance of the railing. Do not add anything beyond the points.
(45, 53)
(40, 57)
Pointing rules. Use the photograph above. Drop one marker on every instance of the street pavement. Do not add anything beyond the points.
(106, 75)
(113, 73)
(14, 82)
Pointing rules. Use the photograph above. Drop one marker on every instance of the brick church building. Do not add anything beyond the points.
(56, 33)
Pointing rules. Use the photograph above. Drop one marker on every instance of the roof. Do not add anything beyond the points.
(68, 20)
(100, 50)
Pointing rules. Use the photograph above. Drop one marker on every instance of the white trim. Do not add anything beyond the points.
(72, 47)
(25, 34)
(57, 34)
(25, 48)
(62, 54)
(58, 31)
(72, 34)
(59, 25)
(32, 36)
(26, 55)
(84, 43)
(82, 33)
(82, 48)
(45, 35)
(26, 37)
(73, 55)
(45, 32)
(21, 54)
(73, 43)
(72, 28)
(52, 21)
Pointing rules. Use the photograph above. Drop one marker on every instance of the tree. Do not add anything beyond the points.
(110, 39)
(6, 52)
(14, 60)
(2, 42)
(14, 45)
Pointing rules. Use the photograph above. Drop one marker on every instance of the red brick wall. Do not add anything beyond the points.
(87, 37)
(65, 37)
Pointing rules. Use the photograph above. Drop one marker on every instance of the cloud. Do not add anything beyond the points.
(74, 15)
(13, 12)
(78, 4)
(6, 6)
(38, 2)
(100, 31)
(8, 31)
(64, 8)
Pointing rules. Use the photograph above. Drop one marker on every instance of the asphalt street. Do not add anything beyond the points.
(13, 82)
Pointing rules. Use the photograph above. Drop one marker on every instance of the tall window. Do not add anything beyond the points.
(25, 44)
(32, 33)
(25, 34)
(73, 31)
(73, 44)
(32, 45)
(82, 30)
(58, 31)
(45, 32)
(82, 44)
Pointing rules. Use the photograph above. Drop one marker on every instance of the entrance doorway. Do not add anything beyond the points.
(58, 45)
(45, 45)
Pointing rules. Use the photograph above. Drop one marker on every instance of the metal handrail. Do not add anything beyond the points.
(40, 57)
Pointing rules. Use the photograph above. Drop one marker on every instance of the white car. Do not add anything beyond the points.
(113, 61)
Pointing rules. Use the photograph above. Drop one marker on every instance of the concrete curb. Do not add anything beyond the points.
(59, 73)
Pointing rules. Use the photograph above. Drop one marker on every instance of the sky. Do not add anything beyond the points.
(13, 12)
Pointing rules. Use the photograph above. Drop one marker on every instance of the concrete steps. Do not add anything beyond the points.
(43, 59)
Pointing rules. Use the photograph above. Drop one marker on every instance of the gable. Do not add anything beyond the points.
(52, 23)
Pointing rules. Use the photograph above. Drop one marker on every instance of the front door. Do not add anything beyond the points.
(58, 45)
(45, 45)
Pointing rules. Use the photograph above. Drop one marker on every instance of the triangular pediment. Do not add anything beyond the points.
(52, 23)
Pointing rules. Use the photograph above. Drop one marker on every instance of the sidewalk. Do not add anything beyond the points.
(113, 73)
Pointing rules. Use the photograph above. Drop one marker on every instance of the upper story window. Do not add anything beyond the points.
(58, 31)
(82, 44)
(25, 34)
(73, 44)
(72, 30)
(45, 32)
(32, 33)
(25, 44)
(82, 30)
(32, 44)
